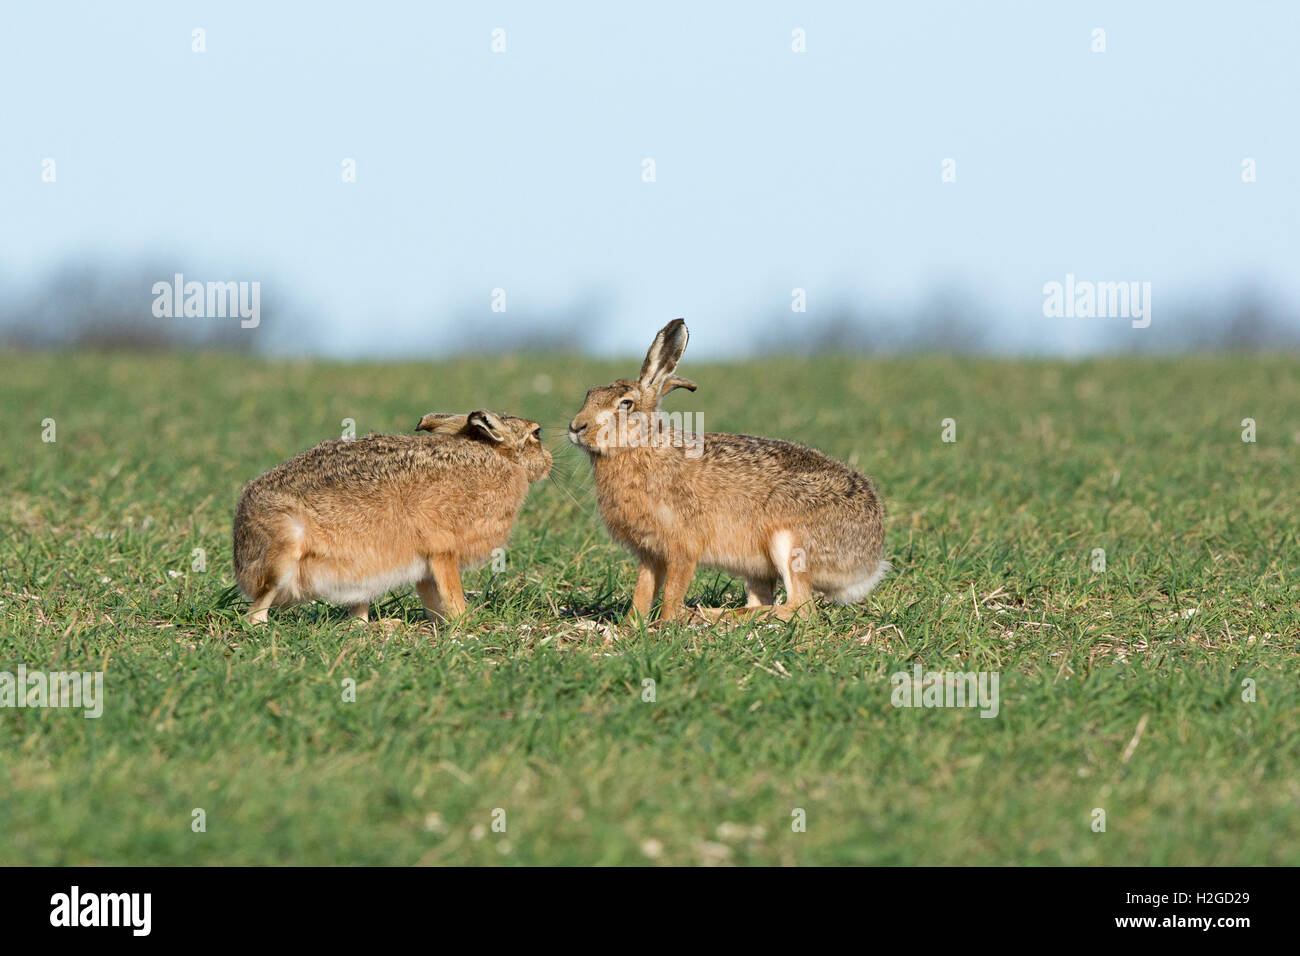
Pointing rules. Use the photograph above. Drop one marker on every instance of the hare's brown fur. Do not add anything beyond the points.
(350, 520)
(767, 510)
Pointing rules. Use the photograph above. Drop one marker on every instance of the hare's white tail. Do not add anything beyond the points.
(855, 591)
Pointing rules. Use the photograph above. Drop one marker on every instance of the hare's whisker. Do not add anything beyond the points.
(582, 506)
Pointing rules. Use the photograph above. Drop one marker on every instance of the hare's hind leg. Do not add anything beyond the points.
(792, 563)
(278, 580)
(798, 596)
(760, 593)
(760, 598)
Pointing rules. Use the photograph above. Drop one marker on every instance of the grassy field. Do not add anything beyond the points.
(1120, 690)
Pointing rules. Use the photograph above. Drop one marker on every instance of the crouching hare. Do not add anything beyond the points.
(350, 520)
(762, 509)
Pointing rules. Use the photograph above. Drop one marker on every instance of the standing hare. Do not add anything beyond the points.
(350, 520)
(758, 508)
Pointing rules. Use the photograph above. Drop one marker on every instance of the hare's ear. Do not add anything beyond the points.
(676, 381)
(487, 424)
(665, 352)
(440, 424)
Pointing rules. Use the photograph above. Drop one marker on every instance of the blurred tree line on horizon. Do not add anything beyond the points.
(84, 306)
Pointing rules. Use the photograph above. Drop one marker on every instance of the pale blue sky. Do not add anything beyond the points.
(522, 170)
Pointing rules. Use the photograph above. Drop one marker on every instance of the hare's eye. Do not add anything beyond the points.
(537, 432)
(627, 404)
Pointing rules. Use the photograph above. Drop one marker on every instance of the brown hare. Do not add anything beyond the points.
(350, 520)
(762, 509)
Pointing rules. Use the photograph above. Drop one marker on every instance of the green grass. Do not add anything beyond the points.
(534, 705)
